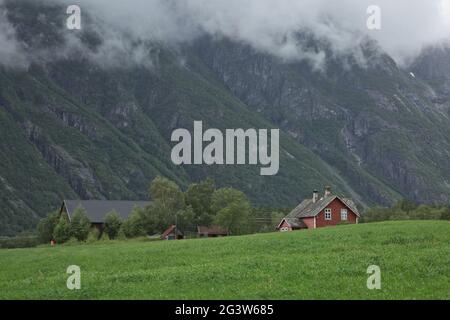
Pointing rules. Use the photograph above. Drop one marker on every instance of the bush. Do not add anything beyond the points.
(20, 242)
(62, 231)
(399, 215)
(404, 210)
(134, 226)
(80, 224)
(72, 241)
(121, 235)
(93, 235)
(112, 224)
(446, 214)
(46, 227)
(104, 237)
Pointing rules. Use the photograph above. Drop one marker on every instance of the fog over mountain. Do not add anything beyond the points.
(269, 26)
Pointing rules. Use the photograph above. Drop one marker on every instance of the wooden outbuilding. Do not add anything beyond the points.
(172, 233)
(212, 232)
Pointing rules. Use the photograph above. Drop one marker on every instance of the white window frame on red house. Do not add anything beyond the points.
(328, 214)
(344, 214)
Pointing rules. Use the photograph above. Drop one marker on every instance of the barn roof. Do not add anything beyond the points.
(213, 230)
(308, 208)
(170, 230)
(96, 210)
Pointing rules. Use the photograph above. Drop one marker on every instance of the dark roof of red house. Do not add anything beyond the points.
(308, 208)
(213, 230)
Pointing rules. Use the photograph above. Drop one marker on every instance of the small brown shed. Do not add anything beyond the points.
(172, 233)
(212, 232)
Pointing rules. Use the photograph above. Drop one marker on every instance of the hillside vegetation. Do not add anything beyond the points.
(328, 263)
(74, 128)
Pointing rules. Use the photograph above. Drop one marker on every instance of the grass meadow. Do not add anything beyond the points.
(329, 263)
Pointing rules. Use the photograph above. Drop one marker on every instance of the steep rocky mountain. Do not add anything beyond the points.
(74, 128)
(433, 67)
(376, 124)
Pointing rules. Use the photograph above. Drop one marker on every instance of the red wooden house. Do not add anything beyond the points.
(328, 210)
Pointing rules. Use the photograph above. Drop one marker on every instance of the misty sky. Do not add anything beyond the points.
(267, 25)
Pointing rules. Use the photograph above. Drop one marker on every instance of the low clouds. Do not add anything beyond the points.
(267, 25)
(11, 53)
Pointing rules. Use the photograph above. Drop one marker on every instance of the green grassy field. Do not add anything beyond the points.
(330, 263)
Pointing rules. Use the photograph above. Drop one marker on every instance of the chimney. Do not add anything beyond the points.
(327, 191)
(315, 196)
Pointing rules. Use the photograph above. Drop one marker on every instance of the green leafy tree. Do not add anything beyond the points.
(445, 215)
(80, 224)
(405, 205)
(112, 224)
(376, 214)
(167, 193)
(157, 218)
(397, 214)
(62, 230)
(46, 227)
(134, 225)
(427, 212)
(233, 210)
(276, 218)
(199, 196)
(186, 219)
(405, 210)
(167, 201)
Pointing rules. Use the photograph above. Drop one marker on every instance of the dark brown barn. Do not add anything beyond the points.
(96, 210)
(329, 210)
(212, 232)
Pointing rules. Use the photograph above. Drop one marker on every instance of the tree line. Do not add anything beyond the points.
(202, 204)
(407, 210)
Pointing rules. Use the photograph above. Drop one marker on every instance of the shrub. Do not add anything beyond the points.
(104, 237)
(46, 227)
(72, 241)
(19, 242)
(62, 231)
(93, 235)
(80, 224)
(446, 214)
(134, 225)
(121, 235)
(404, 210)
(112, 224)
